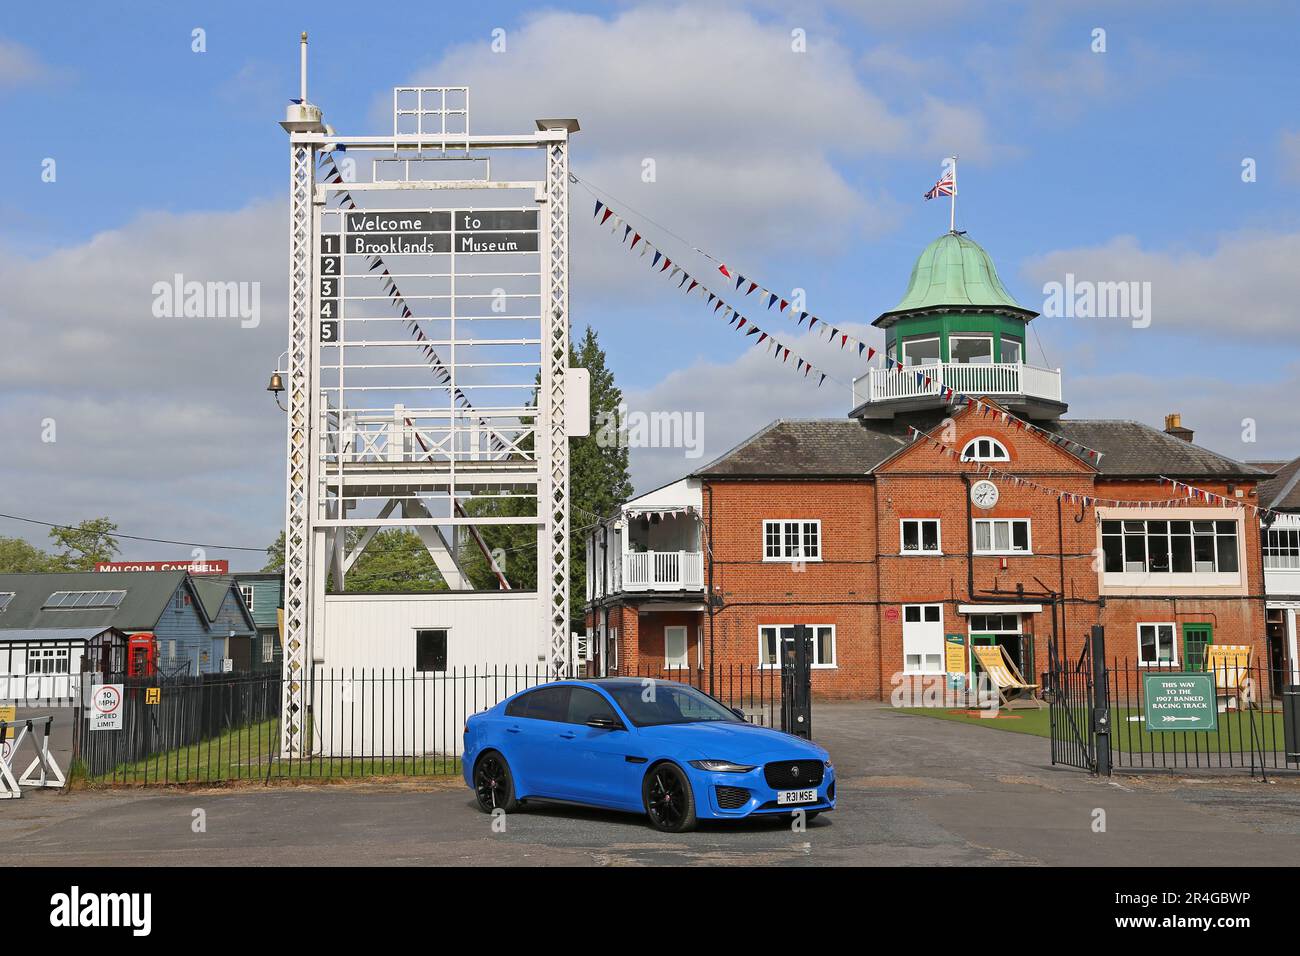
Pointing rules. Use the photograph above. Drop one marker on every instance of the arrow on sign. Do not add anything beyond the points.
(1167, 719)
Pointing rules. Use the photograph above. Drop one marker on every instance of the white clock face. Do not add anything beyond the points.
(984, 494)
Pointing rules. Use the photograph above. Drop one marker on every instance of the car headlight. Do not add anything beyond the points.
(721, 766)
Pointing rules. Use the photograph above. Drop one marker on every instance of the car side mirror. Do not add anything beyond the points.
(604, 723)
(738, 712)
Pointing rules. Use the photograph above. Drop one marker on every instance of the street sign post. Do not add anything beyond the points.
(1177, 701)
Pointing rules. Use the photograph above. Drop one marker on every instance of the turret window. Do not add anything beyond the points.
(985, 449)
(1012, 352)
(970, 349)
(922, 350)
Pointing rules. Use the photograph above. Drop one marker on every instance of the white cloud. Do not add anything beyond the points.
(19, 66)
(1248, 282)
(738, 398)
(749, 138)
(162, 424)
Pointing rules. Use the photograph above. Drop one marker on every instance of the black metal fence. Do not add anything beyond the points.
(1251, 716)
(1231, 717)
(356, 723)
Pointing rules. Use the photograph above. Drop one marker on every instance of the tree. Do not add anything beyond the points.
(394, 560)
(18, 556)
(598, 484)
(84, 546)
(275, 555)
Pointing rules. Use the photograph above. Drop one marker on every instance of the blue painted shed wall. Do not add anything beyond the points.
(183, 622)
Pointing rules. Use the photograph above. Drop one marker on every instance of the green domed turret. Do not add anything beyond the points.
(955, 272)
(960, 328)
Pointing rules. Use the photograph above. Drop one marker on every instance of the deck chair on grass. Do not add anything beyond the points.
(1230, 665)
(1003, 674)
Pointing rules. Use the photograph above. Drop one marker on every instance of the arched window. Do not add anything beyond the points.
(984, 449)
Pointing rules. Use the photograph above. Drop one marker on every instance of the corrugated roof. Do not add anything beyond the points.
(840, 448)
(147, 594)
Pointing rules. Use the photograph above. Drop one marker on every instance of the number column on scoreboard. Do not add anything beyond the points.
(331, 277)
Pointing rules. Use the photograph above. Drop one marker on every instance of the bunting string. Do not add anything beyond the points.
(1187, 494)
(692, 285)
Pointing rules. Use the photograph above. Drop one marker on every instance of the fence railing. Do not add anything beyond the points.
(1252, 708)
(358, 722)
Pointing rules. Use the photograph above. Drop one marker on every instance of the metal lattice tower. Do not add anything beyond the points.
(428, 359)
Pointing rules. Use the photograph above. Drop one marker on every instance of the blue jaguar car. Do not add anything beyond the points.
(647, 746)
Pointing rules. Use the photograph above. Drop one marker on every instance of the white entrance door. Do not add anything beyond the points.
(675, 647)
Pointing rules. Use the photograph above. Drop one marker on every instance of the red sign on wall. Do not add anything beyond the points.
(194, 567)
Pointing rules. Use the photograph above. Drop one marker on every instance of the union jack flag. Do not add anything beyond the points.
(944, 187)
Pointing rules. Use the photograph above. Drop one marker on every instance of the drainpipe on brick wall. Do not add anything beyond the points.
(708, 598)
(1060, 548)
(970, 544)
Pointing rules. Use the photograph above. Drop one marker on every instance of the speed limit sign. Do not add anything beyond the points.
(106, 707)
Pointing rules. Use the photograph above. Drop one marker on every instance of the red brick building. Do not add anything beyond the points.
(955, 506)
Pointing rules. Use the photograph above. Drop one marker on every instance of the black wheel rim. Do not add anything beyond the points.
(666, 798)
(490, 782)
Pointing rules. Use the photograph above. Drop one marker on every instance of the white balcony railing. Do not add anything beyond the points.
(663, 571)
(1002, 378)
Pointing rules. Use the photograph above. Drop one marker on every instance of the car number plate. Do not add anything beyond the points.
(785, 797)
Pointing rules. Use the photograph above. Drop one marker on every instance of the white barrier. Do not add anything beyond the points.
(43, 771)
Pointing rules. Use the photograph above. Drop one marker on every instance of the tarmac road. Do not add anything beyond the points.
(912, 790)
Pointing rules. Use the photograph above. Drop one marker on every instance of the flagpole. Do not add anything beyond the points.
(952, 209)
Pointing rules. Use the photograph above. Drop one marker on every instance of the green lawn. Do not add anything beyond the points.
(1131, 736)
(252, 753)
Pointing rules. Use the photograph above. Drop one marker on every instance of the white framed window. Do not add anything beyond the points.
(1170, 547)
(773, 638)
(268, 648)
(1156, 644)
(985, 449)
(1001, 536)
(921, 350)
(919, 536)
(1281, 551)
(792, 540)
(247, 590)
(675, 646)
(970, 349)
(923, 639)
(47, 660)
(1012, 350)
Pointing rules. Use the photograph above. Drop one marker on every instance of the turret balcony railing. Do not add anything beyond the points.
(1000, 378)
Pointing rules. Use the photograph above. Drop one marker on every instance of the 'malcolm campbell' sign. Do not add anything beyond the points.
(194, 567)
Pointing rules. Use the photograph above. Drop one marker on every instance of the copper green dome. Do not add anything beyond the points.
(954, 273)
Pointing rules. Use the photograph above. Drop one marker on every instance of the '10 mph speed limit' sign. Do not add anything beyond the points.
(106, 707)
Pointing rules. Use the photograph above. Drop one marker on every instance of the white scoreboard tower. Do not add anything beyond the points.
(428, 383)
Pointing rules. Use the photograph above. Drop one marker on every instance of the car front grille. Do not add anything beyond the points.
(793, 774)
(731, 798)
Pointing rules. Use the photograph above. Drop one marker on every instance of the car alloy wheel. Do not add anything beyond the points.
(668, 799)
(493, 785)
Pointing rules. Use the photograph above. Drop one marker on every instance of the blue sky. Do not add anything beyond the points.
(805, 168)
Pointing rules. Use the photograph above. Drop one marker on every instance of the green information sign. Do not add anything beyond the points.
(1180, 701)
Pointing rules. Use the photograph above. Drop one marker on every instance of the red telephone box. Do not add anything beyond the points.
(142, 655)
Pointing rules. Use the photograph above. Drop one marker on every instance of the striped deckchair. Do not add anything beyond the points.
(1005, 676)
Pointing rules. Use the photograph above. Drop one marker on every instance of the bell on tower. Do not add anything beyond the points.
(956, 328)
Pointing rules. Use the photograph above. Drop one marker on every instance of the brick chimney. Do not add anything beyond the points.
(1174, 426)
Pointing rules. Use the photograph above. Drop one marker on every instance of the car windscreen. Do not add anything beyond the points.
(655, 703)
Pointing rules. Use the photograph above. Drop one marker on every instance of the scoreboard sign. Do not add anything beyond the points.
(417, 232)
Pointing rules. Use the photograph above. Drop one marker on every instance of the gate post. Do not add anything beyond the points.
(1100, 700)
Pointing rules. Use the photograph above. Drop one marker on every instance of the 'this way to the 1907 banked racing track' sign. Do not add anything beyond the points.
(423, 232)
